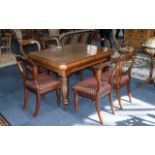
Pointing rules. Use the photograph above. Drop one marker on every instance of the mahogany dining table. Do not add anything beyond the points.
(68, 59)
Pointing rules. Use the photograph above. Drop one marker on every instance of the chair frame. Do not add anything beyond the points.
(32, 69)
(99, 85)
(123, 58)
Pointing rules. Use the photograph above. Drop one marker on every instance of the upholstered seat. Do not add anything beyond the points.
(89, 87)
(45, 83)
(124, 78)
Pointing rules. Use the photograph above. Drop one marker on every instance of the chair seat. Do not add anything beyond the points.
(124, 78)
(44, 82)
(88, 88)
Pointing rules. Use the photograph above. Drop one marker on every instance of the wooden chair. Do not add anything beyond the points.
(122, 77)
(36, 83)
(96, 87)
(122, 47)
(26, 43)
(127, 61)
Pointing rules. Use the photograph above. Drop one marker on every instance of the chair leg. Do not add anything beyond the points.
(76, 101)
(25, 98)
(119, 97)
(58, 95)
(37, 105)
(98, 111)
(111, 103)
(129, 92)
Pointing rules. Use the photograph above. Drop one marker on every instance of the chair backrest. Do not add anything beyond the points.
(27, 68)
(127, 62)
(78, 36)
(113, 66)
(28, 42)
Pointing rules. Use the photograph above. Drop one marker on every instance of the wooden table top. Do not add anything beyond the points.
(68, 55)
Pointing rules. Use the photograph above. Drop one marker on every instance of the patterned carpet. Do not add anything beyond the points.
(141, 67)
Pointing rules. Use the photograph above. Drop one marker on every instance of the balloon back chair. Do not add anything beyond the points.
(96, 87)
(122, 77)
(36, 83)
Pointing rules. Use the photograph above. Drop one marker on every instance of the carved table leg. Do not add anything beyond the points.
(65, 89)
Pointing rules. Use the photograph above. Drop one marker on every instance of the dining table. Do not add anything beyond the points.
(67, 59)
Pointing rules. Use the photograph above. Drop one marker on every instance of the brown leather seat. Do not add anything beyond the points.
(44, 82)
(96, 87)
(89, 87)
(36, 83)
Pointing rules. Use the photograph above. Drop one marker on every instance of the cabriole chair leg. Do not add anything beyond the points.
(119, 97)
(99, 112)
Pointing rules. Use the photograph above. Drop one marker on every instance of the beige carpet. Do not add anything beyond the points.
(7, 59)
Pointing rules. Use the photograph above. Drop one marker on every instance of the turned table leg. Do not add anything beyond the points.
(65, 89)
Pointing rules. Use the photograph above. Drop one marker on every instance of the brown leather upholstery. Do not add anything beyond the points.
(96, 87)
(88, 88)
(124, 78)
(44, 82)
(36, 83)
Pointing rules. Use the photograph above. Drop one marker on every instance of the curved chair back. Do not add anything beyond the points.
(78, 36)
(27, 68)
(28, 42)
(113, 66)
(127, 61)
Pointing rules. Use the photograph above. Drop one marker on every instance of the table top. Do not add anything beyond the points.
(69, 55)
